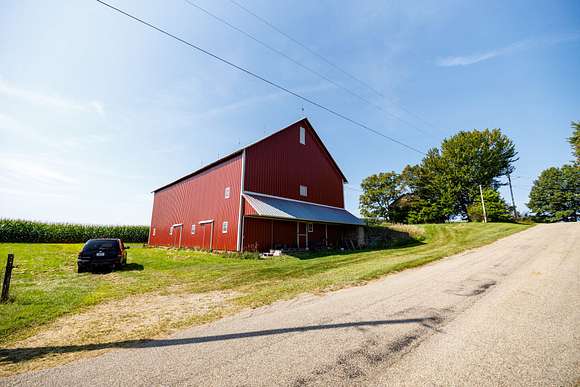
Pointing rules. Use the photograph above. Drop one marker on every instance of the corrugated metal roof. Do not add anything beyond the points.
(272, 207)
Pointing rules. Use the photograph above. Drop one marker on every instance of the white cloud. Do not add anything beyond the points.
(97, 106)
(259, 99)
(28, 193)
(57, 141)
(50, 100)
(7, 121)
(13, 168)
(470, 59)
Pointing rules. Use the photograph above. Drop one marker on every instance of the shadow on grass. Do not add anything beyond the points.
(17, 355)
(304, 255)
(132, 267)
(128, 267)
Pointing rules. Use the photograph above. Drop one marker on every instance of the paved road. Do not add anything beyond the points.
(505, 314)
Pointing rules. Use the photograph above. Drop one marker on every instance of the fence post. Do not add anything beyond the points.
(7, 276)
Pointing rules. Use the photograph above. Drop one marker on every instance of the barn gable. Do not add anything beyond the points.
(305, 123)
(294, 163)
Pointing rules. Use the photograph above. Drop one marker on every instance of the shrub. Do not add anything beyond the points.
(496, 208)
(25, 231)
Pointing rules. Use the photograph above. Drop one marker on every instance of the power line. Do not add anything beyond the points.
(303, 66)
(271, 83)
(324, 59)
(272, 26)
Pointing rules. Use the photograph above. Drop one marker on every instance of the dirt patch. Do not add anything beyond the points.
(110, 325)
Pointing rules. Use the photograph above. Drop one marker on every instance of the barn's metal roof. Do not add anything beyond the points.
(274, 207)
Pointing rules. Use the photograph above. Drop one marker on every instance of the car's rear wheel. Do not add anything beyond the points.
(81, 269)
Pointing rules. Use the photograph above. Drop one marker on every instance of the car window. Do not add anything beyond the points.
(101, 245)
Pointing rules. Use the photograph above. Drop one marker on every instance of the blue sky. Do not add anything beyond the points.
(96, 110)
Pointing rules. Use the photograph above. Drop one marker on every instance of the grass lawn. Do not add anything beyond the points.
(45, 284)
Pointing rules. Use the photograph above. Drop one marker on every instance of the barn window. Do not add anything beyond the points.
(227, 193)
(302, 136)
(192, 229)
(225, 227)
(303, 190)
(154, 231)
(171, 230)
(310, 227)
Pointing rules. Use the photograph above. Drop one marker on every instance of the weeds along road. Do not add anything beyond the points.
(504, 314)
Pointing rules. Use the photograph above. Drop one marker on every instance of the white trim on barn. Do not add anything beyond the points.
(292, 200)
(240, 236)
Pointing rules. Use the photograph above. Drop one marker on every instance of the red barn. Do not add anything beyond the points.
(282, 192)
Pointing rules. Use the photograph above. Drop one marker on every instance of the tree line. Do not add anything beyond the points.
(450, 181)
(555, 194)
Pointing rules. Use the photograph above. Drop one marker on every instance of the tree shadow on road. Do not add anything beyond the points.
(17, 355)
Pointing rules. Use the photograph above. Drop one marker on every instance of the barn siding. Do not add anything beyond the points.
(198, 198)
(261, 234)
(279, 164)
(257, 234)
(248, 209)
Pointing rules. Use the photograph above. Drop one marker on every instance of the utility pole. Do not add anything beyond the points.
(512, 194)
(482, 204)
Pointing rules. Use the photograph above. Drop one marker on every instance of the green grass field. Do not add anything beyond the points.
(45, 284)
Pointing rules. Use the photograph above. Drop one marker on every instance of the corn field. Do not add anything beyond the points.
(16, 230)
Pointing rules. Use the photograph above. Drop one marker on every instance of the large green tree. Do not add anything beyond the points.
(380, 191)
(431, 203)
(574, 140)
(447, 180)
(555, 195)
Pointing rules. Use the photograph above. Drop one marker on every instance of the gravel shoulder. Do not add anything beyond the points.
(503, 314)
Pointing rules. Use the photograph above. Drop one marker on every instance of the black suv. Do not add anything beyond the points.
(102, 253)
